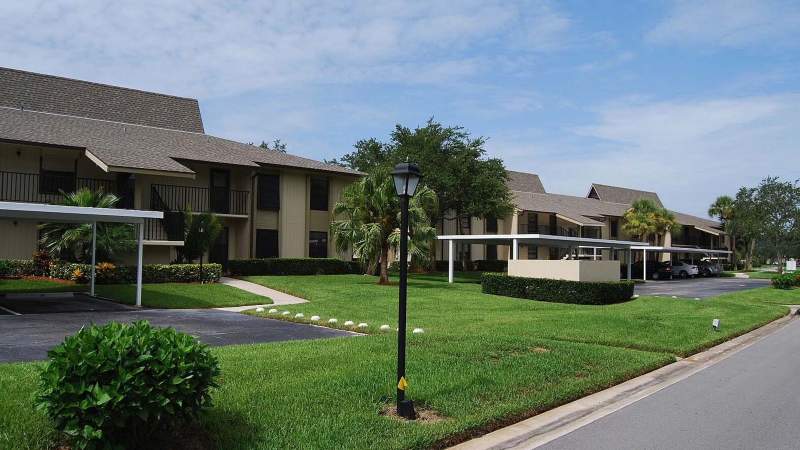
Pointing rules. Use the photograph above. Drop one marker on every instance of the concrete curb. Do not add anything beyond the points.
(557, 422)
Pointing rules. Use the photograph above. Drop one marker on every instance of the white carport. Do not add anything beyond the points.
(514, 240)
(689, 250)
(79, 214)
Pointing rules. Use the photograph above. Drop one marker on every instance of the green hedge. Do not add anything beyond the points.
(559, 291)
(293, 266)
(786, 281)
(110, 274)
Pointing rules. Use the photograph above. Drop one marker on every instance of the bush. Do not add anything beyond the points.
(293, 266)
(116, 385)
(16, 268)
(559, 291)
(108, 273)
(41, 262)
(786, 281)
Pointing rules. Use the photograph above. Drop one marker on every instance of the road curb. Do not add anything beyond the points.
(552, 424)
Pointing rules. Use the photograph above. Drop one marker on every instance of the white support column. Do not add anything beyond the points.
(94, 258)
(644, 264)
(594, 253)
(139, 265)
(630, 262)
(515, 250)
(450, 261)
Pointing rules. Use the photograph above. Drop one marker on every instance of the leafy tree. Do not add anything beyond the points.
(645, 219)
(276, 146)
(724, 209)
(201, 232)
(73, 242)
(370, 221)
(778, 204)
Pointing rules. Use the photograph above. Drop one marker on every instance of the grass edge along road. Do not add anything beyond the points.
(483, 361)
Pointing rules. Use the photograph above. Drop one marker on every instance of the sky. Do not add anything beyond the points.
(686, 98)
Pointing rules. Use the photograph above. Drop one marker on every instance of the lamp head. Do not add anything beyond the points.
(406, 178)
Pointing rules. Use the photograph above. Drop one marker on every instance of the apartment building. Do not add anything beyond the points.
(151, 150)
(597, 215)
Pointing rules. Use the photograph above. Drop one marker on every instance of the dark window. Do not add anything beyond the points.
(533, 252)
(269, 192)
(266, 243)
(554, 253)
(318, 244)
(491, 252)
(533, 223)
(491, 224)
(613, 228)
(319, 193)
(52, 182)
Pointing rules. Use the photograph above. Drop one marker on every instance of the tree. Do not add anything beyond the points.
(369, 223)
(73, 242)
(645, 219)
(748, 213)
(201, 232)
(275, 146)
(779, 205)
(724, 208)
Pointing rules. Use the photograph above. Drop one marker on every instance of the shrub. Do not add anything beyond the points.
(559, 291)
(786, 281)
(17, 268)
(114, 386)
(293, 266)
(108, 273)
(41, 263)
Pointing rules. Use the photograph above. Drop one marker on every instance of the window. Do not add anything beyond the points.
(613, 228)
(533, 223)
(533, 252)
(554, 253)
(318, 244)
(269, 192)
(266, 243)
(319, 194)
(52, 182)
(491, 253)
(491, 224)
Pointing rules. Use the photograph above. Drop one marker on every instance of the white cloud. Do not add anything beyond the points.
(730, 23)
(689, 152)
(211, 49)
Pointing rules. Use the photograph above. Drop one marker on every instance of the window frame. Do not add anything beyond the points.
(272, 202)
(317, 205)
(311, 246)
(261, 232)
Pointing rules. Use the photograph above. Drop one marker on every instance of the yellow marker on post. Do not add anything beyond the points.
(402, 384)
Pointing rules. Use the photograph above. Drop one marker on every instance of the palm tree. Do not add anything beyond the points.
(201, 232)
(370, 221)
(645, 219)
(724, 208)
(73, 241)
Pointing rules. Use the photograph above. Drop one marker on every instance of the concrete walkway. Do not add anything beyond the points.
(278, 298)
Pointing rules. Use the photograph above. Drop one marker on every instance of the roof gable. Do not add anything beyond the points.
(51, 94)
(524, 182)
(618, 194)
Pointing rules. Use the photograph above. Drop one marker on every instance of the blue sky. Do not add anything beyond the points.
(689, 99)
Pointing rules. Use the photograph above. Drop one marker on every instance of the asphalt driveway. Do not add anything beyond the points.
(697, 287)
(38, 324)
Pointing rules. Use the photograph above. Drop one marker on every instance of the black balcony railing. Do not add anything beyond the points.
(170, 228)
(165, 197)
(46, 188)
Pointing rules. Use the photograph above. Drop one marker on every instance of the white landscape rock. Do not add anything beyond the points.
(418, 331)
(259, 309)
(285, 313)
(315, 318)
(299, 316)
(363, 325)
(385, 328)
(674, 296)
(349, 323)
(332, 321)
(635, 295)
(273, 311)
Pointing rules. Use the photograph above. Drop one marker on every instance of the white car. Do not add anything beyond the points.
(684, 270)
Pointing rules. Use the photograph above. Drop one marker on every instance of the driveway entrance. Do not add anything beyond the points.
(697, 287)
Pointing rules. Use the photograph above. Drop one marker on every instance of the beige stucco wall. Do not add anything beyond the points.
(575, 270)
(18, 239)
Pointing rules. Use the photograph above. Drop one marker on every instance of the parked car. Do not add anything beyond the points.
(709, 268)
(655, 270)
(684, 269)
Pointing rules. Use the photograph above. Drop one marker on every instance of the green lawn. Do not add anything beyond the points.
(181, 295)
(483, 361)
(11, 286)
(763, 275)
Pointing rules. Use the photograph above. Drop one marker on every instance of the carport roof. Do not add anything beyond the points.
(680, 249)
(541, 239)
(79, 214)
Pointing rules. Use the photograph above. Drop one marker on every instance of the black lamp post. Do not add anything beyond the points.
(406, 177)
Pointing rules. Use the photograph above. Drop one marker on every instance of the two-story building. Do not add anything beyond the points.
(151, 150)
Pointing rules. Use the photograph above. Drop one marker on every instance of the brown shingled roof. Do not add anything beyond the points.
(580, 209)
(618, 194)
(48, 93)
(130, 146)
(524, 182)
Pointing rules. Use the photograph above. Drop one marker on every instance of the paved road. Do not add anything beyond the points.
(749, 401)
(698, 287)
(46, 322)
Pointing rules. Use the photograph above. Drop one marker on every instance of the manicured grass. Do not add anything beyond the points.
(25, 285)
(181, 295)
(483, 361)
(760, 274)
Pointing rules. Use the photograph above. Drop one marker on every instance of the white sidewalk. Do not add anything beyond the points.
(278, 298)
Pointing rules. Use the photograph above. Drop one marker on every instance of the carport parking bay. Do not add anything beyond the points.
(697, 287)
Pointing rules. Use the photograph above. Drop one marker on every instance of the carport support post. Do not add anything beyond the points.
(515, 252)
(644, 265)
(94, 259)
(630, 258)
(450, 261)
(139, 266)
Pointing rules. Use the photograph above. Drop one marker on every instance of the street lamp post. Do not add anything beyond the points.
(406, 177)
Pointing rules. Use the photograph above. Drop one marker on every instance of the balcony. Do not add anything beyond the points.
(46, 188)
(165, 197)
